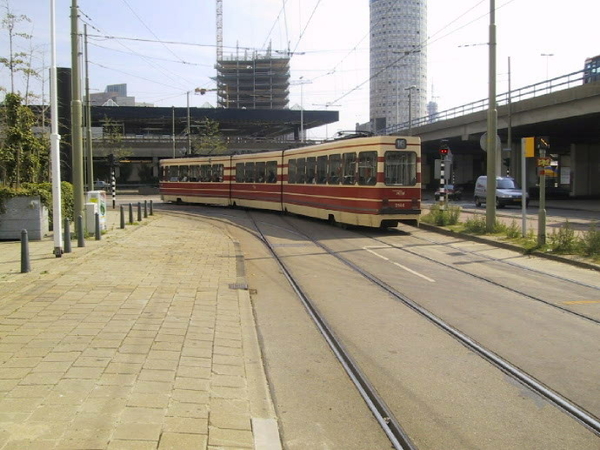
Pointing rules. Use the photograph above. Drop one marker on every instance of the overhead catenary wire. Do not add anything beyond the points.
(423, 45)
(187, 63)
(150, 30)
(176, 78)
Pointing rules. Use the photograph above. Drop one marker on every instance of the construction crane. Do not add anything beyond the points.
(219, 30)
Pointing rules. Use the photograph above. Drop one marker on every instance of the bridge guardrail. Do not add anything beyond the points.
(534, 90)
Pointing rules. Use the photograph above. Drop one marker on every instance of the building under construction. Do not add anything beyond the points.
(260, 82)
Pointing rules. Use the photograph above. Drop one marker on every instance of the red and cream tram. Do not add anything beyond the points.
(366, 181)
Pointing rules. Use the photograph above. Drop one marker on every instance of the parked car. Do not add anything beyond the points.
(100, 185)
(452, 192)
(508, 192)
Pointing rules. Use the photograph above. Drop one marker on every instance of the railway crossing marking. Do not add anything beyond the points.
(399, 265)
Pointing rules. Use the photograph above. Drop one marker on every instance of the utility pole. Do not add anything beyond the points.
(76, 135)
(88, 118)
(173, 129)
(492, 124)
(189, 131)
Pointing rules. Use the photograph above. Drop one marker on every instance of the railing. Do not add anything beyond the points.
(534, 90)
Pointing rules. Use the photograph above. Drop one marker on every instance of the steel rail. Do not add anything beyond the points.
(398, 437)
(567, 406)
(496, 283)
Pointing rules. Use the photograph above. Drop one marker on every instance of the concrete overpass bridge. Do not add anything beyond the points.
(564, 108)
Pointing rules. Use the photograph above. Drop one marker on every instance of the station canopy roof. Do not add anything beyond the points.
(268, 123)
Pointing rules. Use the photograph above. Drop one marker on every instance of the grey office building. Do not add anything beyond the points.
(398, 62)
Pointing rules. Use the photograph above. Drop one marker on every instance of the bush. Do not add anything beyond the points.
(590, 242)
(513, 231)
(478, 225)
(442, 217)
(563, 240)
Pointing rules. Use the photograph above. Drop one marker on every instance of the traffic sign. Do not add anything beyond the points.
(544, 162)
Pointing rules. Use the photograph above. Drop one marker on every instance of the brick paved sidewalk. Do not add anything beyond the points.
(142, 340)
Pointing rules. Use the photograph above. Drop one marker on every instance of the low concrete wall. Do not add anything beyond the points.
(24, 213)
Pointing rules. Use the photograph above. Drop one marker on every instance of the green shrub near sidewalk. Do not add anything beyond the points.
(562, 240)
(44, 191)
(590, 242)
(442, 216)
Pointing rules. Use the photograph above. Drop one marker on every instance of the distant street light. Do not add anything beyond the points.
(410, 90)
(547, 55)
(301, 81)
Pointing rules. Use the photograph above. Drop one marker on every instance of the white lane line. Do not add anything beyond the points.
(399, 265)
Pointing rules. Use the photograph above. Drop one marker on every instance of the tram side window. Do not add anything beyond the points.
(184, 173)
(239, 172)
(292, 171)
(194, 171)
(301, 170)
(400, 168)
(349, 166)
(205, 173)
(311, 169)
(335, 169)
(249, 173)
(260, 172)
(271, 171)
(322, 170)
(367, 168)
(217, 172)
(173, 173)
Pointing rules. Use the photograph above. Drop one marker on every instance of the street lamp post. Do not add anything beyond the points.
(547, 55)
(410, 90)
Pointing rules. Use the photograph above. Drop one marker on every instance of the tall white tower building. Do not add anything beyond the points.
(398, 62)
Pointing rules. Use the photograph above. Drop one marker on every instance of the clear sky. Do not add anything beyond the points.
(329, 40)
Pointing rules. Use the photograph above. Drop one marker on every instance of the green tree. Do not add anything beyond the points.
(209, 141)
(16, 62)
(112, 137)
(24, 157)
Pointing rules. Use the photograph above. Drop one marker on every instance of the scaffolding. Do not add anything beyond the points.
(253, 83)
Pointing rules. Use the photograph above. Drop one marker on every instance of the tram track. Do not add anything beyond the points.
(546, 392)
(493, 282)
(384, 417)
(388, 422)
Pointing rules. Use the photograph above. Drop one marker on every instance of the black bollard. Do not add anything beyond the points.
(80, 232)
(145, 208)
(98, 234)
(25, 264)
(67, 235)
(130, 214)
(139, 210)
(122, 217)
(151, 211)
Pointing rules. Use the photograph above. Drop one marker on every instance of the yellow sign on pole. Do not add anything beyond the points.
(528, 146)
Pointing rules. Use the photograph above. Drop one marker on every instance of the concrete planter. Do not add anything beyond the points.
(24, 213)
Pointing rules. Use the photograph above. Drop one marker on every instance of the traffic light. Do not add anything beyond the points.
(444, 147)
(542, 143)
(507, 162)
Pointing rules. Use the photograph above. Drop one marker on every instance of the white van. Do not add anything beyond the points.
(507, 192)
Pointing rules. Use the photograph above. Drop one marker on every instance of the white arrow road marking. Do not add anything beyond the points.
(399, 265)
